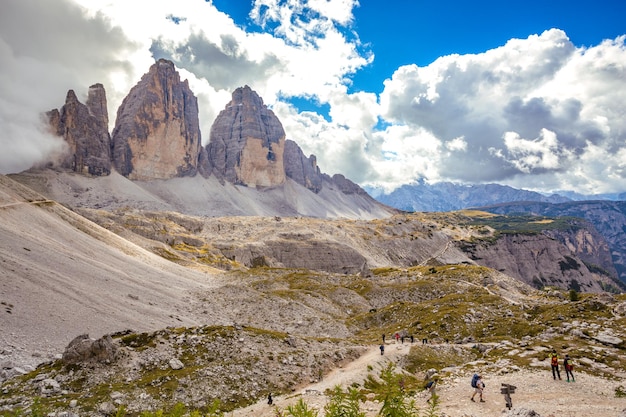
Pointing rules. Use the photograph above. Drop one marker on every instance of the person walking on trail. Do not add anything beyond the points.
(383, 337)
(270, 401)
(430, 386)
(567, 364)
(382, 349)
(554, 363)
(479, 386)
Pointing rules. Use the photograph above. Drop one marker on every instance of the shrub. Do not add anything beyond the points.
(344, 403)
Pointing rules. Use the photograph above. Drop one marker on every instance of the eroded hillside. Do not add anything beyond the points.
(565, 253)
(224, 310)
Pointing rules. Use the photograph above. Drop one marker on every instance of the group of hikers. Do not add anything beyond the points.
(399, 338)
(567, 364)
(478, 384)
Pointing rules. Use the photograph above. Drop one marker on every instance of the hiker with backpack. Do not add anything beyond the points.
(554, 363)
(430, 386)
(478, 385)
(569, 366)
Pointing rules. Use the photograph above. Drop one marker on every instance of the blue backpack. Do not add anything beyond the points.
(474, 380)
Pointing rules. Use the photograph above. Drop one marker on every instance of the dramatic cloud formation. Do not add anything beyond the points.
(532, 106)
(537, 113)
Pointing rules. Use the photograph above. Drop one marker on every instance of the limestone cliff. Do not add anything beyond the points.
(608, 217)
(573, 259)
(247, 142)
(157, 134)
(85, 129)
(301, 169)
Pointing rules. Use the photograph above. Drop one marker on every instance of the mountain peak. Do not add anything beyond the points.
(85, 130)
(247, 142)
(157, 133)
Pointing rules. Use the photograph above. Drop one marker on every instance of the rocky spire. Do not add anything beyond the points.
(157, 134)
(85, 129)
(247, 142)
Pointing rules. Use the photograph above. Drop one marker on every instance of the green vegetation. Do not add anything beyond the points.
(517, 224)
(427, 357)
(344, 403)
(393, 393)
(458, 303)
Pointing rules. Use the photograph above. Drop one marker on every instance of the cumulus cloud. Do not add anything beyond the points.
(536, 113)
(543, 87)
(46, 49)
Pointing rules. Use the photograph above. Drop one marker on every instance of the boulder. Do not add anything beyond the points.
(85, 349)
(521, 412)
(176, 364)
(608, 339)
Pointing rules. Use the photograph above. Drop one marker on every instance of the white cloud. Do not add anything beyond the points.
(46, 49)
(530, 155)
(542, 87)
(536, 111)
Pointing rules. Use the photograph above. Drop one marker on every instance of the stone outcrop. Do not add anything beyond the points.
(85, 128)
(299, 251)
(84, 349)
(301, 169)
(346, 186)
(157, 134)
(247, 142)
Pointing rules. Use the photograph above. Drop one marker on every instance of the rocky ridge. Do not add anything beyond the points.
(157, 137)
(608, 217)
(194, 325)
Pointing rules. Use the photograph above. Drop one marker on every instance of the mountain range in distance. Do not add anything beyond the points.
(448, 196)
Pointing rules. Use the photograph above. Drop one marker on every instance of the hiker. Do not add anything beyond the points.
(382, 349)
(430, 386)
(554, 362)
(270, 401)
(402, 338)
(397, 336)
(412, 339)
(568, 365)
(479, 386)
(383, 337)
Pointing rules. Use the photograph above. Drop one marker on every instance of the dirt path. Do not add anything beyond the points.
(313, 394)
(589, 396)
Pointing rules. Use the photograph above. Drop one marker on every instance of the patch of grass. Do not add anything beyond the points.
(423, 357)
(139, 341)
(521, 224)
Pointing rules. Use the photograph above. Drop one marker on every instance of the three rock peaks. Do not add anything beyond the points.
(157, 136)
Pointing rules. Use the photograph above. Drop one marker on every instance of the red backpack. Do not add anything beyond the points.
(555, 360)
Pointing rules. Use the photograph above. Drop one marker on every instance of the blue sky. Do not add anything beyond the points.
(418, 32)
(528, 94)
